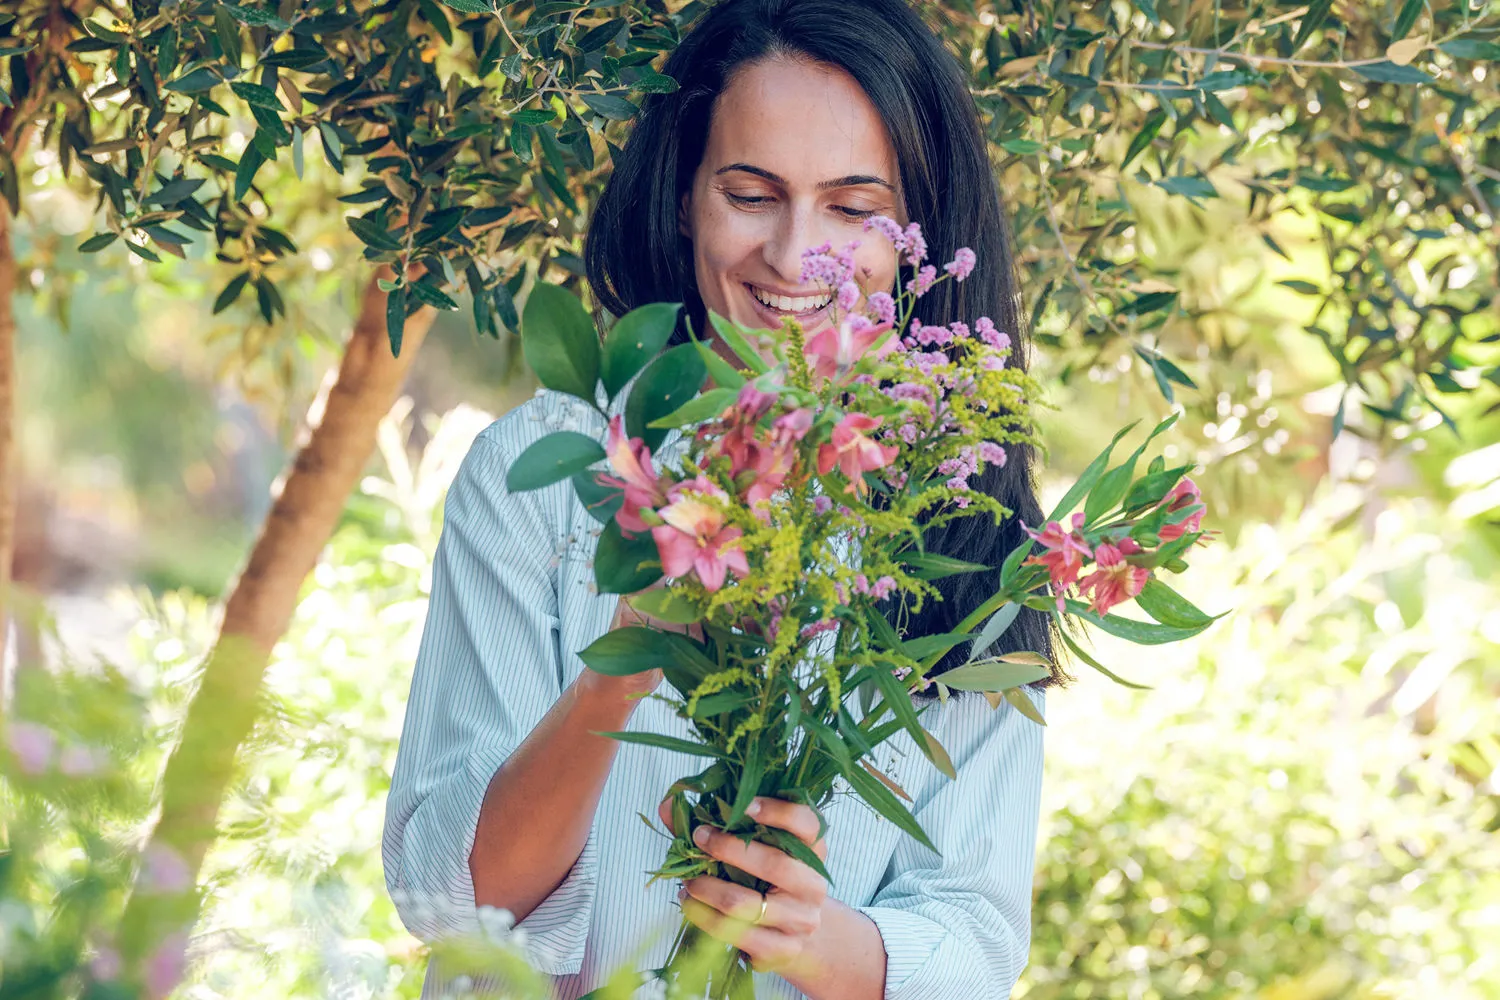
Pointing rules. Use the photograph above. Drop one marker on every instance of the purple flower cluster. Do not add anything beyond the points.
(820, 265)
(878, 590)
(962, 264)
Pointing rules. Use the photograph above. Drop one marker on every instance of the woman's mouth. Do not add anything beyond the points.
(779, 307)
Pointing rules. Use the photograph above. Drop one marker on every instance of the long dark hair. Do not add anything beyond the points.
(635, 253)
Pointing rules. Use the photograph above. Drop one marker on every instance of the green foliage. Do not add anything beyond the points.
(1305, 806)
(1357, 143)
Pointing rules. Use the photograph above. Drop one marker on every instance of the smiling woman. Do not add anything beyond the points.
(796, 121)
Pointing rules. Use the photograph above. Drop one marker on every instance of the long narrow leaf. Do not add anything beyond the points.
(664, 743)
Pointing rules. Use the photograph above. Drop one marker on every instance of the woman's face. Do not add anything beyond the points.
(796, 156)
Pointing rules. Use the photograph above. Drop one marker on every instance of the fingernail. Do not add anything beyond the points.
(754, 809)
(700, 836)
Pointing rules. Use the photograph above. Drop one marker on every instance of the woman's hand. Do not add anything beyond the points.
(794, 905)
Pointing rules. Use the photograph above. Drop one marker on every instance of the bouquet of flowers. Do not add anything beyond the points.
(809, 473)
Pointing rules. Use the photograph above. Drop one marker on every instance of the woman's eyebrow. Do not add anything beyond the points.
(850, 180)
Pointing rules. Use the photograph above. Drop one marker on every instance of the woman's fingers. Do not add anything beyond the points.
(783, 912)
(797, 819)
(768, 948)
(664, 810)
(762, 861)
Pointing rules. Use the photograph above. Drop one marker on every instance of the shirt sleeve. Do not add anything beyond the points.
(959, 925)
(487, 670)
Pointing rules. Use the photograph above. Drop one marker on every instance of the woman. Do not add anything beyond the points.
(795, 121)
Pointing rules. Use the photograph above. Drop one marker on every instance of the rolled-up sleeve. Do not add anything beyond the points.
(487, 670)
(959, 925)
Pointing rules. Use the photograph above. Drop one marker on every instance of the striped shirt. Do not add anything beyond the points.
(511, 604)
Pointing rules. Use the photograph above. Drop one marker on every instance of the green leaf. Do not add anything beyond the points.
(255, 95)
(671, 380)
(994, 629)
(625, 565)
(98, 242)
(1090, 476)
(200, 79)
(635, 339)
(884, 801)
(1142, 138)
(552, 459)
(1472, 47)
(395, 319)
(1021, 701)
(934, 566)
(231, 292)
(1189, 187)
(698, 409)
(1386, 71)
(622, 652)
(371, 234)
(433, 296)
(1170, 608)
(1139, 632)
(655, 83)
(471, 6)
(228, 33)
(608, 106)
(1022, 147)
(664, 743)
(749, 784)
(559, 342)
(927, 645)
(600, 501)
(1317, 13)
(992, 674)
(1086, 658)
(332, 144)
(735, 340)
(1149, 302)
(797, 848)
(722, 372)
(145, 253)
(1301, 287)
(1410, 10)
(244, 175)
(667, 604)
(299, 155)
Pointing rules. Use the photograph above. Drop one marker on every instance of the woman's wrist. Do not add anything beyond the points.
(612, 699)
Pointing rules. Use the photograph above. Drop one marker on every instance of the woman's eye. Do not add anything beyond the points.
(745, 199)
(854, 213)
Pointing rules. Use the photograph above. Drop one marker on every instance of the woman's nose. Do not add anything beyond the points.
(795, 232)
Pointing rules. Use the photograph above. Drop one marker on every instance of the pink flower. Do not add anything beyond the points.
(1184, 494)
(821, 505)
(916, 245)
(631, 459)
(883, 307)
(887, 227)
(817, 628)
(992, 454)
(695, 538)
(853, 452)
(924, 280)
(823, 267)
(1115, 581)
(962, 264)
(848, 296)
(106, 965)
(1064, 555)
(985, 327)
(33, 746)
(836, 348)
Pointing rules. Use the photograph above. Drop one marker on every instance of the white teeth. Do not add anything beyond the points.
(788, 304)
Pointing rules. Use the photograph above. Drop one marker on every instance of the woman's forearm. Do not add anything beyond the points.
(845, 960)
(541, 802)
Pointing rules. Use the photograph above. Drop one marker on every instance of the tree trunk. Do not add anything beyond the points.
(7, 432)
(165, 904)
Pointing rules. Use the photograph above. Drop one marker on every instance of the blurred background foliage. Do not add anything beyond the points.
(1278, 217)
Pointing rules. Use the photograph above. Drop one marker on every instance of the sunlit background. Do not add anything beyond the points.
(1305, 804)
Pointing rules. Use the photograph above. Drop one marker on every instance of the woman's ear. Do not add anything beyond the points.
(685, 214)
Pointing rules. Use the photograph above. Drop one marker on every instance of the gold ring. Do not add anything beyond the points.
(764, 901)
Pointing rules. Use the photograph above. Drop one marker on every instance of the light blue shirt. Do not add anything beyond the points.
(512, 602)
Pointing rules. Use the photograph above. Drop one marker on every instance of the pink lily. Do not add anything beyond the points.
(853, 452)
(1115, 581)
(1064, 555)
(1184, 494)
(695, 538)
(632, 460)
(836, 348)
